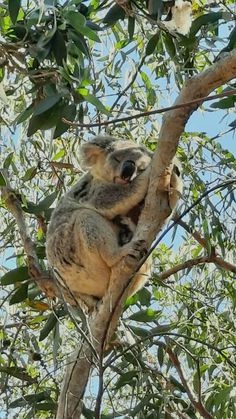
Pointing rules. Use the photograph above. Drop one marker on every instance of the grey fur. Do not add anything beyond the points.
(83, 240)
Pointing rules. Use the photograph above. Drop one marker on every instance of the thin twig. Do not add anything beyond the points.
(154, 112)
(128, 85)
(195, 403)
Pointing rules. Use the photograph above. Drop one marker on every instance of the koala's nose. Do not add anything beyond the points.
(127, 169)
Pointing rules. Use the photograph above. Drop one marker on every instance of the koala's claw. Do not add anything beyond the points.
(138, 250)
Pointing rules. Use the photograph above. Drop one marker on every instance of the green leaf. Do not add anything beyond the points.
(18, 372)
(155, 8)
(24, 115)
(2, 180)
(233, 124)
(160, 355)
(8, 160)
(177, 384)
(48, 327)
(203, 20)
(131, 26)
(89, 33)
(42, 205)
(46, 406)
(16, 275)
(97, 103)
(163, 328)
(169, 45)
(232, 40)
(225, 103)
(20, 294)
(114, 14)
(79, 41)
(59, 47)
(14, 7)
(47, 202)
(41, 252)
(46, 104)
(152, 44)
(88, 413)
(78, 22)
(144, 297)
(29, 174)
(30, 399)
(140, 331)
(147, 315)
(46, 120)
(58, 155)
(126, 378)
(76, 19)
(69, 113)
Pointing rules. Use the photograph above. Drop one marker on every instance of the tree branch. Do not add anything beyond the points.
(42, 278)
(214, 257)
(103, 321)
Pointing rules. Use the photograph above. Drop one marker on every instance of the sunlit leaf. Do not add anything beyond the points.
(147, 315)
(78, 22)
(97, 103)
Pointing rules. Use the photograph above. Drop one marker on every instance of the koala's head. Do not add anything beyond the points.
(114, 160)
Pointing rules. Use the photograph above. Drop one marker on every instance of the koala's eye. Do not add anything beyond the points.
(116, 159)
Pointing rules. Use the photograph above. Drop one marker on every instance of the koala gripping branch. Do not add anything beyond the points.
(153, 217)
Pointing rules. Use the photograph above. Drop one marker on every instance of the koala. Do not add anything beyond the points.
(93, 223)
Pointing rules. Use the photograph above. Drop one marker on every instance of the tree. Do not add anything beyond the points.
(71, 69)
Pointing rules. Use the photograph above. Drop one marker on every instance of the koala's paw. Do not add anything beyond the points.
(136, 253)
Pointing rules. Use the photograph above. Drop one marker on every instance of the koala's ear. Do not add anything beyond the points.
(89, 154)
(95, 149)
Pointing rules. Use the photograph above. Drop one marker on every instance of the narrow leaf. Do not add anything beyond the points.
(96, 102)
(78, 22)
(48, 327)
(18, 372)
(2, 180)
(20, 294)
(152, 44)
(131, 26)
(16, 275)
(147, 315)
(46, 104)
(114, 14)
(126, 378)
(14, 7)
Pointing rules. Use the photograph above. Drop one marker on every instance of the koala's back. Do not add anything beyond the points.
(73, 249)
(81, 244)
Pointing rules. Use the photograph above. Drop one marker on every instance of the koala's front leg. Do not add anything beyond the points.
(112, 199)
(126, 229)
(101, 237)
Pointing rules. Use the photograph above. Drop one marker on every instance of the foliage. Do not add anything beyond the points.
(89, 62)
